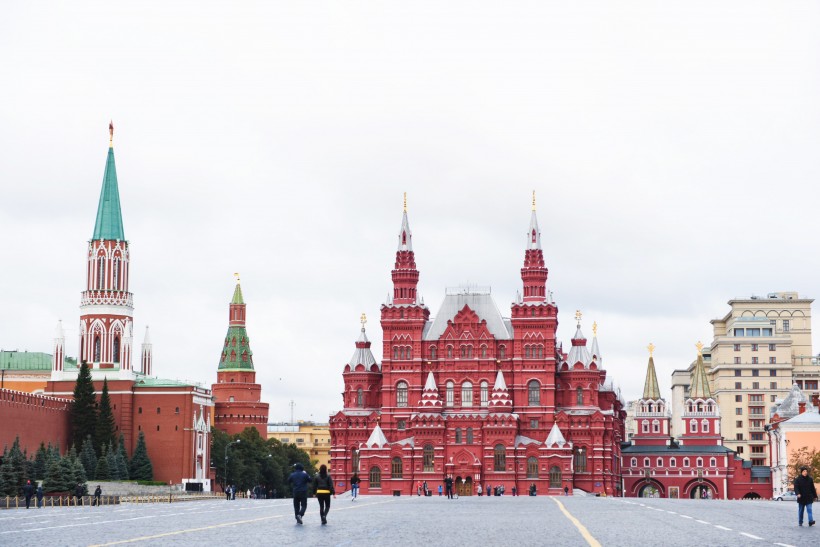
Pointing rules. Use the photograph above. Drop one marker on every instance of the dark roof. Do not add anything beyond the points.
(678, 449)
(761, 471)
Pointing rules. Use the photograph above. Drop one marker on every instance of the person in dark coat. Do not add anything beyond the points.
(299, 481)
(354, 485)
(78, 494)
(806, 494)
(97, 494)
(28, 491)
(448, 487)
(323, 488)
(40, 496)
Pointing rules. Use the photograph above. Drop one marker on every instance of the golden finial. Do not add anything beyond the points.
(651, 348)
(578, 316)
(405, 202)
(699, 345)
(236, 275)
(533, 200)
(363, 320)
(111, 134)
(594, 328)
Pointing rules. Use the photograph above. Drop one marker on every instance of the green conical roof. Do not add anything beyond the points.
(236, 354)
(650, 386)
(700, 383)
(237, 295)
(109, 215)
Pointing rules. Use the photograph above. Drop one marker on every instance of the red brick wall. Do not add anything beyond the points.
(35, 419)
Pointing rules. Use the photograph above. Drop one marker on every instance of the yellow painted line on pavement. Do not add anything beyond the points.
(581, 528)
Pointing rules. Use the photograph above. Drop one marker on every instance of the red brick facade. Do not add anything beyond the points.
(34, 419)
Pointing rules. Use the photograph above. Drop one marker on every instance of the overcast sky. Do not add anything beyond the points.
(673, 147)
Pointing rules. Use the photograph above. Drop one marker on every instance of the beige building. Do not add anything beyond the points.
(759, 349)
(311, 437)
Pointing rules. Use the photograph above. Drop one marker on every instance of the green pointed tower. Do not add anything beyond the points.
(650, 386)
(109, 213)
(236, 354)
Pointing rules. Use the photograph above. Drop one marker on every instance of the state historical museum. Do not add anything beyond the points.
(477, 396)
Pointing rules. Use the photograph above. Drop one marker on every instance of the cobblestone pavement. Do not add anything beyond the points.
(507, 520)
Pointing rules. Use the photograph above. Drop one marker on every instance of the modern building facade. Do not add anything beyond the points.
(794, 426)
(759, 349)
(311, 437)
(471, 394)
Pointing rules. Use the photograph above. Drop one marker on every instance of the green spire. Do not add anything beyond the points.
(700, 383)
(109, 215)
(650, 387)
(237, 294)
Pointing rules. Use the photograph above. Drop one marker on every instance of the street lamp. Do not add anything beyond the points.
(226, 458)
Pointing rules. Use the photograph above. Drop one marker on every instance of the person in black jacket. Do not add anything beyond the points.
(28, 491)
(806, 494)
(299, 481)
(323, 488)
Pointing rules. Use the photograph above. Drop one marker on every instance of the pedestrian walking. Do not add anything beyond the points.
(514, 491)
(448, 486)
(418, 488)
(489, 489)
(426, 490)
(40, 496)
(28, 491)
(323, 488)
(97, 494)
(806, 494)
(478, 490)
(354, 485)
(532, 489)
(78, 494)
(299, 481)
(228, 493)
(439, 490)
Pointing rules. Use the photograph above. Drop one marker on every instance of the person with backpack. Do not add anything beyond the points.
(323, 488)
(299, 481)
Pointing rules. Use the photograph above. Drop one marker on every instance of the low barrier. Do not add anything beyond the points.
(172, 498)
(19, 502)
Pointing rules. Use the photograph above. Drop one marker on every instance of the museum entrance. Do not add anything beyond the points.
(464, 486)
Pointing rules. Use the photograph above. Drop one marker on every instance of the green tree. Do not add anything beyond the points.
(103, 471)
(8, 478)
(55, 480)
(106, 427)
(16, 469)
(88, 457)
(122, 460)
(40, 461)
(140, 468)
(84, 407)
(805, 457)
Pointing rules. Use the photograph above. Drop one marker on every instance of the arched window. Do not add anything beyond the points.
(485, 393)
(555, 477)
(700, 462)
(483, 352)
(500, 458)
(633, 462)
(704, 426)
(656, 426)
(97, 348)
(450, 393)
(469, 435)
(645, 426)
(693, 426)
(659, 462)
(449, 352)
(463, 351)
(502, 352)
(580, 460)
(673, 462)
(375, 477)
(646, 462)
(115, 276)
(433, 352)
(409, 353)
(427, 456)
(116, 349)
(467, 394)
(360, 398)
(712, 462)
(526, 352)
(458, 435)
(401, 394)
(534, 393)
(396, 469)
(579, 396)
(100, 272)
(686, 462)
(355, 459)
(395, 353)
(532, 467)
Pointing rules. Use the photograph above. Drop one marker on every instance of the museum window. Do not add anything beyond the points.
(354, 457)
(458, 435)
(467, 394)
(533, 424)
(700, 462)
(401, 394)
(395, 353)
(686, 462)
(712, 462)
(360, 398)
(449, 352)
(500, 458)
(555, 477)
(469, 435)
(97, 348)
(483, 352)
(485, 393)
(693, 426)
(116, 349)
(633, 462)
(375, 477)
(579, 396)
(534, 393)
(673, 462)
(646, 462)
(704, 426)
(502, 352)
(401, 424)
(580, 460)
(659, 462)
(532, 467)
(396, 470)
(427, 458)
(450, 393)
(644, 426)
(433, 352)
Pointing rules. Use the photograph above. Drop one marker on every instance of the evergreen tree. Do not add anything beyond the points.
(140, 468)
(40, 461)
(67, 473)
(113, 465)
(83, 409)
(122, 459)
(106, 428)
(88, 457)
(55, 480)
(8, 479)
(18, 473)
(78, 475)
(103, 472)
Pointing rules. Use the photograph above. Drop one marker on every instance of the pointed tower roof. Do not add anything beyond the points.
(58, 332)
(579, 352)
(595, 350)
(405, 235)
(362, 355)
(533, 234)
(700, 383)
(237, 294)
(650, 386)
(147, 338)
(500, 398)
(109, 214)
(555, 437)
(236, 352)
(430, 399)
(377, 438)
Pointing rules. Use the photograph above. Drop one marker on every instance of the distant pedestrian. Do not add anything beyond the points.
(806, 494)
(97, 494)
(28, 491)
(532, 489)
(439, 490)
(228, 493)
(40, 496)
(566, 490)
(78, 494)
(233, 491)
(478, 490)
(514, 491)
(323, 488)
(448, 486)
(299, 481)
(354, 485)
(424, 487)
(418, 488)
(489, 490)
